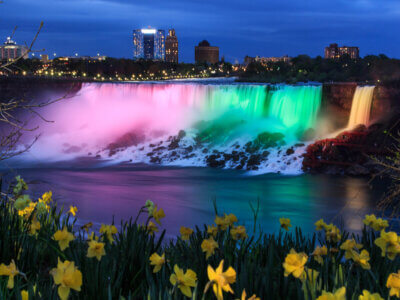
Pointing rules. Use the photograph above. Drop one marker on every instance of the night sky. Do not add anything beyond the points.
(238, 27)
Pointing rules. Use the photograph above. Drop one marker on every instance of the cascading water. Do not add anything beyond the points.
(296, 107)
(139, 123)
(361, 106)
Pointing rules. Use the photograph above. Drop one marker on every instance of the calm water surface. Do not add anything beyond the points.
(186, 195)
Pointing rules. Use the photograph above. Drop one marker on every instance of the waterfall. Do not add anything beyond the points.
(296, 107)
(218, 115)
(361, 106)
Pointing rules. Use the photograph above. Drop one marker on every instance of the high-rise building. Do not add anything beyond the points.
(149, 43)
(10, 50)
(205, 53)
(335, 52)
(171, 47)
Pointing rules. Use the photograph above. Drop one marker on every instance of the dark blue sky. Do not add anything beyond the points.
(238, 27)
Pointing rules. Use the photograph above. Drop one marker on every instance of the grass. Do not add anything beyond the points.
(124, 272)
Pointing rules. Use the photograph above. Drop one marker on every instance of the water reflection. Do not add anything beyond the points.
(186, 195)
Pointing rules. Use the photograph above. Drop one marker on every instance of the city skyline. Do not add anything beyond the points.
(256, 28)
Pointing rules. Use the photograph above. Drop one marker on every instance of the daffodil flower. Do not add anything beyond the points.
(63, 237)
(208, 246)
(221, 280)
(184, 280)
(157, 261)
(96, 249)
(67, 277)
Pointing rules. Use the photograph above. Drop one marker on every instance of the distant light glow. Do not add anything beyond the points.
(148, 31)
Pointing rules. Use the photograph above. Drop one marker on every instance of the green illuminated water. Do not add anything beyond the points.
(245, 111)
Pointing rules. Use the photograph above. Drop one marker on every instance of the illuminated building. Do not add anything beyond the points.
(44, 58)
(204, 53)
(335, 52)
(10, 50)
(265, 60)
(149, 44)
(171, 47)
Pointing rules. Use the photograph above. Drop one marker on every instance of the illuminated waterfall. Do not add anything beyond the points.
(361, 106)
(217, 114)
(296, 107)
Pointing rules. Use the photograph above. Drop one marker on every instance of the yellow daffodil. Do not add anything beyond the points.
(151, 228)
(221, 222)
(11, 271)
(244, 296)
(380, 224)
(63, 237)
(185, 233)
(184, 280)
(221, 280)
(208, 246)
(389, 244)
(340, 294)
(231, 219)
(158, 214)
(157, 261)
(369, 219)
(24, 295)
(294, 263)
(239, 233)
(285, 223)
(28, 210)
(332, 233)
(34, 226)
(377, 224)
(212, 230)
(109, 231)
(362, 259)
(67, 277)
(73, 210)
(349, 246)
(47, 197)
(393, 282)
(224, 222)
(96, 249)
(320, 224)
(319, 252)
(368, 296)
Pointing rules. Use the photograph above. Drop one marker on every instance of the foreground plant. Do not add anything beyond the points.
(183, 280)
(132, 262)
(220, 280)
(11, 271)
(67, 277)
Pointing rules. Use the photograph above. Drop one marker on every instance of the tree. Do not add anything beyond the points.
(14, 111)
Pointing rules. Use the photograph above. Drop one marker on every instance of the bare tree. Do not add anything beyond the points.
(15, 113)
(390, 169)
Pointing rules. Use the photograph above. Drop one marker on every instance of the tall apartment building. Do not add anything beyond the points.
(335, 52)
(205, 53)
(10, 50)
(149, 44)
(171, 47)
